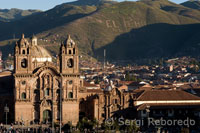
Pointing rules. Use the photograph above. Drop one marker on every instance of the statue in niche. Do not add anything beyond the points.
(57, 84)
(46, 80)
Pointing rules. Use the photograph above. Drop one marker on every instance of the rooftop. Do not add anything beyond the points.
(166, 95)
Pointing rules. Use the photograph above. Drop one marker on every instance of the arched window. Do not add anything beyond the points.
(37, 95)
(47, 92)
(80, 83)
(70, 63)
(70, 82)
(70, 95)
(23, 82)
(23, 52)
(23, 96)
(24, 63)
(74, 51)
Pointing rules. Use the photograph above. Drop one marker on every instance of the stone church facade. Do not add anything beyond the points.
(42, 91)
(39, 83)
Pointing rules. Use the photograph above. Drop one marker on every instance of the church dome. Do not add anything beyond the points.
(40, 54)
(39, 51)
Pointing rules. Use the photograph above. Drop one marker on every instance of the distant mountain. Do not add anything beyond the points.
(91, 2)
(15, 14)
(171, 7)
(147, 28)
(194, 4)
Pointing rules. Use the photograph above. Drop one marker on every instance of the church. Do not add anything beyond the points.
(41, 90)
(44, 89)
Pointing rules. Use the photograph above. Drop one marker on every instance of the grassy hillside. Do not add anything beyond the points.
(13, 14)
(194, 4)
(126, 29)
(102, 27)
(156, 40)
(171, 7)
(44, 21)
(91, 2)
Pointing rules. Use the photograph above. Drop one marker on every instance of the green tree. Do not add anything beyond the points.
(85, 123)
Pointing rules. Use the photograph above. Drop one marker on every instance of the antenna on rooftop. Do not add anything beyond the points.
(13, 36)
(104, 63)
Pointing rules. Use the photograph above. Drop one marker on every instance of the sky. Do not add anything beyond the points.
(41, 4)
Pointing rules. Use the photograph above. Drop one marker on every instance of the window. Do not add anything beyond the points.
(74, 51)
(23, 96)
(81, 83)
(23, 52)
(70, 95)
(115, 101)
(70, 63)
(24, 63)
(70, 82)
(47, 92)
(70, 52)
(23, 82)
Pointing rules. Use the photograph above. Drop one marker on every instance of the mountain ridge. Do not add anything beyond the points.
(99, 26)
(7, 15)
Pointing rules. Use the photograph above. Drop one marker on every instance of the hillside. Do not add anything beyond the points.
(171, 7)
(156, 40)
(13, 14)
(194, 4)
(91, 2)
(126, 29)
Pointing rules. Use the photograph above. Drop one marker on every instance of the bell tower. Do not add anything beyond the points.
(22, 56)
(69, 57)
(71, 81)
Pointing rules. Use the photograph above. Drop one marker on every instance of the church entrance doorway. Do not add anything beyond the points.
(47, 116)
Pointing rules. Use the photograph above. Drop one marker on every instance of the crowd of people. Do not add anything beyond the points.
(15, 129)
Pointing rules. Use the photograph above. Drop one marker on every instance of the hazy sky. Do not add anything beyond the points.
(40, 4)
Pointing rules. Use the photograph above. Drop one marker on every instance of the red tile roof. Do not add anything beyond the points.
(87, 84)
(166, 95)
(167, 105)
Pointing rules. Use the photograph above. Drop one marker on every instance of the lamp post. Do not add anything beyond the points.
(6, 110)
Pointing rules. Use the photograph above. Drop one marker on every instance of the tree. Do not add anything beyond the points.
(130, 77)
(85, 123)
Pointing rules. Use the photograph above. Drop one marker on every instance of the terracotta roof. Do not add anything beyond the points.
(95, 90)
(125, 82)
(87, 84)
(166, 95)
(167, 105)
(5, 73)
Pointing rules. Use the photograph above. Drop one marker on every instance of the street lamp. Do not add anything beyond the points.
(6, 110)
